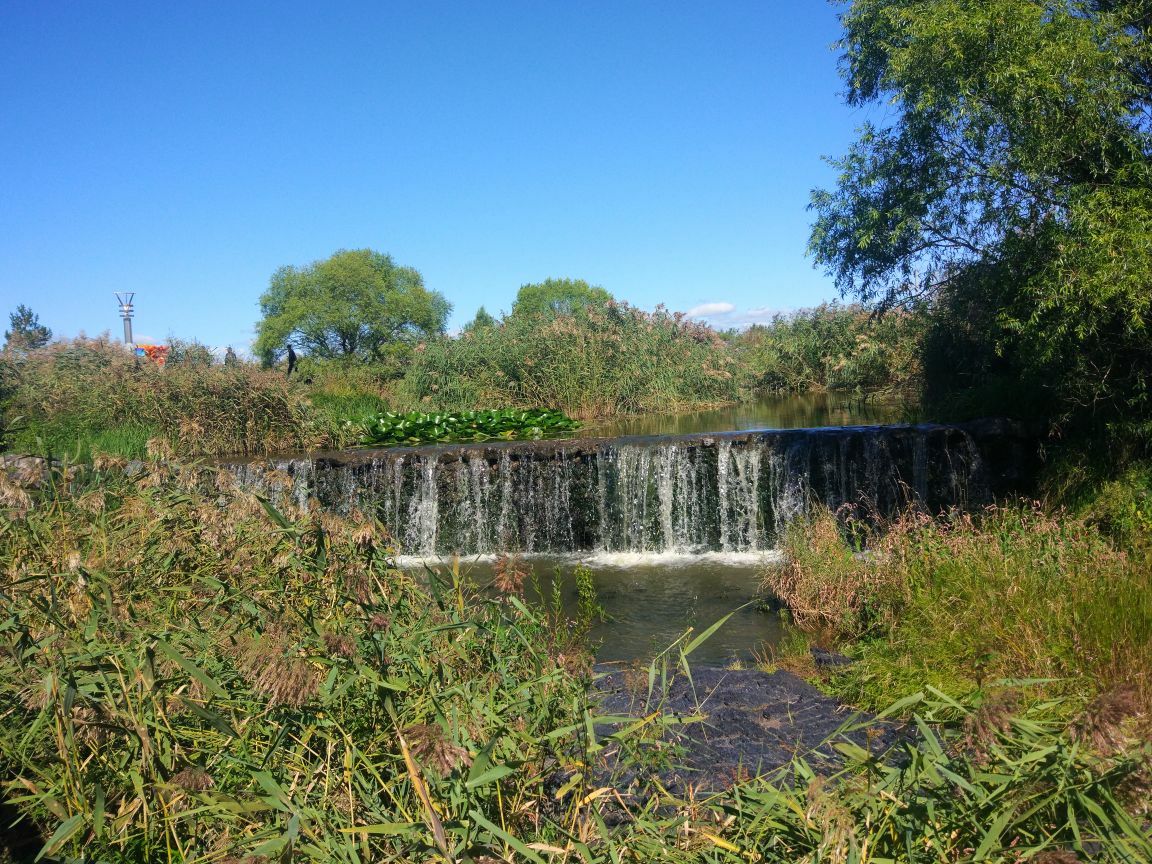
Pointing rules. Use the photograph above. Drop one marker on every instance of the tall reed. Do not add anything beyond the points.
(1013, 592)
(591, 362)
(189, 674)
(71, 394)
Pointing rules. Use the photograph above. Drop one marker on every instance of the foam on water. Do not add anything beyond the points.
(620, 560)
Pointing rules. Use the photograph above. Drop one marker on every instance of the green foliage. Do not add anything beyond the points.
(418, 427)
(357, 304)
(189, 352)
(188, 673)
(984, 780)
(594, 362)
(481, 319)
(90, 395)
(555, 297)
(834, 347)
(1122, 509)
(27, 332)
(1012, 189)
(1011, 593)
(206, 676)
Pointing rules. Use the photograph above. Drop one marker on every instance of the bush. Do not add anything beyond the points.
(77, 395)
(591, 362)
(1013, 592)
(834, 347)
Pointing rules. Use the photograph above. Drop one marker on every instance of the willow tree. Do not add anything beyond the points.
(356, 305)
(1009, 182)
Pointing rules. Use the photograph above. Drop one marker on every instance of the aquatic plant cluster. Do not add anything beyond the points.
(190, 674)
(418, 427)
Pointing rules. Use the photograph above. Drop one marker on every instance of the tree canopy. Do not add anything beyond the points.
(554, 297)
(357, 304)
(1011, 185)
(27, 332)
(482, 319)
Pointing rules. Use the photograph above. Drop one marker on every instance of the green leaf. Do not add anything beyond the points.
(205, 680)
(490, 776)
(63, 833)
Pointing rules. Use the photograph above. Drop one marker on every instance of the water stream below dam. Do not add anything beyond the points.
(676, 528)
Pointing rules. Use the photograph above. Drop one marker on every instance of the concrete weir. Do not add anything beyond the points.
(721, 492)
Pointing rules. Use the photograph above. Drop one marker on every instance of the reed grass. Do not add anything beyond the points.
(189, 674)
(188, 677)
(89, 395)
(592, 362)
(835, 347)
(1013, 592)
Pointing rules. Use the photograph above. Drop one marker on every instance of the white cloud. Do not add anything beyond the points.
(760, 313)
(723, 314)
(710, 310)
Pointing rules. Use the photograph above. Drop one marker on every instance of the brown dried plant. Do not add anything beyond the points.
(431, 746)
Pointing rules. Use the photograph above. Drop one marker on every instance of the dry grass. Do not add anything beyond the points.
(1013, 592)
(92, 395)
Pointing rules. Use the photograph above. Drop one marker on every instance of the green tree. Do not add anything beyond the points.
(482, 319)
(27, 332)
(1011, 187)
(355, 305)
(554, 297)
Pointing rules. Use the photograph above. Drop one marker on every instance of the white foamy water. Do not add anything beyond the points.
(620, 560)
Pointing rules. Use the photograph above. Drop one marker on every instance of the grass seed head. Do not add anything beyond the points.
(431, 746)
(1103, 721)
(193, 779)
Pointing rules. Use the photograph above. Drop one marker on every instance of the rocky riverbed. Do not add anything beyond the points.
(724, 725)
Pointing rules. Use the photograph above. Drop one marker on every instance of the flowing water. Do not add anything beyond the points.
(676, 527)
(651, 600)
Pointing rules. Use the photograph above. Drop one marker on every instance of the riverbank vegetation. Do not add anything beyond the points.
(82, 397)
(836, 347)
(187, 673)
(581, 352)
(1015, 592)
(593, 360)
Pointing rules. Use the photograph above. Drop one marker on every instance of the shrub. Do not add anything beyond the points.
(73, 394)
(1013, 592)
(834, 347)
(594, 361)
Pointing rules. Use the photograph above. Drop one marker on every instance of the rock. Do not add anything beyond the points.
(830, 659)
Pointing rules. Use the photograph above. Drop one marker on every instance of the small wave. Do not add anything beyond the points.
(620, 560)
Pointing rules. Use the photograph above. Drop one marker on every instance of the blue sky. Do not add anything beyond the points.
(185, 150)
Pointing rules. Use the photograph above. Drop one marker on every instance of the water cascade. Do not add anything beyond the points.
(729, 492)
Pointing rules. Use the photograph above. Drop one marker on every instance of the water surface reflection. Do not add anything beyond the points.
(650, 600)
(797, 411)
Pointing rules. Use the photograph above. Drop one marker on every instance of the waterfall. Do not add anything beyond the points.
(731, 492)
